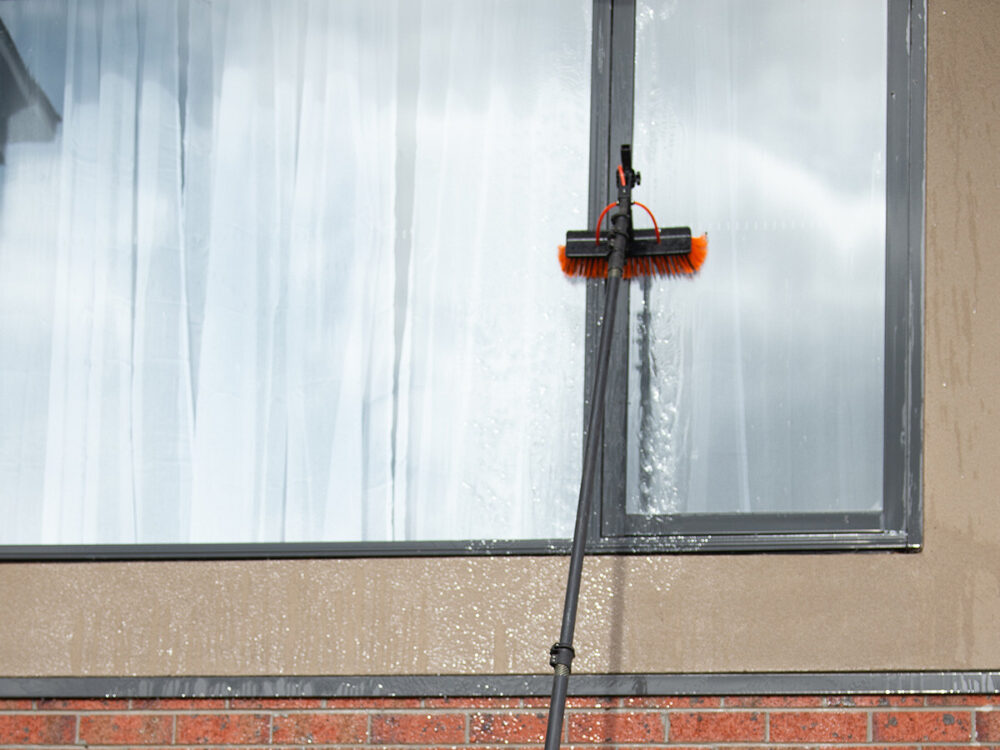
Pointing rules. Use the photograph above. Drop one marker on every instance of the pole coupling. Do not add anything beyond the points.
(561, 657)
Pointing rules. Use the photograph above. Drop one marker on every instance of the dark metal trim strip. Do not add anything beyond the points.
(426, 686)
(905, 115)
(917, 97)
(630, 545)
(603, 122)
(747, 524)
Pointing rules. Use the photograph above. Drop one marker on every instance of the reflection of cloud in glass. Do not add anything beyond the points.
(782, 193)
(764, 123)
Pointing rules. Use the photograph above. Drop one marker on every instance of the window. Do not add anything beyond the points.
(279, 278)
(775, 402)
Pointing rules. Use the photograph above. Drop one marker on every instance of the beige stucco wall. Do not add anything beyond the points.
(938, 609)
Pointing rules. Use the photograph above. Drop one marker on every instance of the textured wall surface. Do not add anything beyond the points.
(934, 610)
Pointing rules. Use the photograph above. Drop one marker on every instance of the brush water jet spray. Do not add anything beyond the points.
(622, 252)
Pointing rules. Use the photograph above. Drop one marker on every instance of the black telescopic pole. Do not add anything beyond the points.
(561, 655)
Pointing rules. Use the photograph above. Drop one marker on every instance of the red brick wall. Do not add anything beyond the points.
(789, 721)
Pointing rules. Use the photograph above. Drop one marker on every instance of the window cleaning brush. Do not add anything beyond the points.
(667, 251)
(622, 252)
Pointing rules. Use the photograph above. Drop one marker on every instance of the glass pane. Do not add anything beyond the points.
(758, 386)
(283, 271)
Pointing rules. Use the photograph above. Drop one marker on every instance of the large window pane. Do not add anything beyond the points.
(758, 387)
(285, 272)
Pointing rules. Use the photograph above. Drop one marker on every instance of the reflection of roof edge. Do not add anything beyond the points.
(27, 85)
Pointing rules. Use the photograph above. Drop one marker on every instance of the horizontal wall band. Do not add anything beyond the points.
(409, 686)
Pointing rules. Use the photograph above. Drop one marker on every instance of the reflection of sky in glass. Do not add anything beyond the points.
(288, 271)
(763, 124)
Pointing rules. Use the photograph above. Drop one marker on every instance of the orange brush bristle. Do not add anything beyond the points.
(587, 268)
(674, 264)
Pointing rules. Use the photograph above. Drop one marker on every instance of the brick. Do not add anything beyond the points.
(912, 701)
(370, 703)
(715, 726)
(875, 701)
(506, 728)
(618, 728)
(85, 704)
(126, 729)
(33, 729)
(472, 703)
(774, 701)
(177, 704)
(671, 701)
(591, 702)
(856, 701)
(818, 726)
(922, 726)
(320, 729)
(536, 702)
(418, 729)
(223, 729)
(276, 704)
(16, 704)
(987, 726)
(963, 700)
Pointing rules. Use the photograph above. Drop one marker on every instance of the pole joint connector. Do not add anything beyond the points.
(561, 657)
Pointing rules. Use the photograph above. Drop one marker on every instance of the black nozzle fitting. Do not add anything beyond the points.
(621, 218)
(633, 178)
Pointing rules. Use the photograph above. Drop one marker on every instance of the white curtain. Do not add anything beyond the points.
(287, 273)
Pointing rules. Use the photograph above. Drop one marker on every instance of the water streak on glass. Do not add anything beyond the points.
(758, 385)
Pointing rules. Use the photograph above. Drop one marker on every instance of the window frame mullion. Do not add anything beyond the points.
(612, 107)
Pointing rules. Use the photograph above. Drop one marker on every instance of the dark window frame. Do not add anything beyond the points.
(899, 526)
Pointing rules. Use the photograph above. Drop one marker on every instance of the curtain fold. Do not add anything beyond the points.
(236, 334)
(487, 367)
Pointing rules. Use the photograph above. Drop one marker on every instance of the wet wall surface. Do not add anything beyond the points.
(936, 609)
